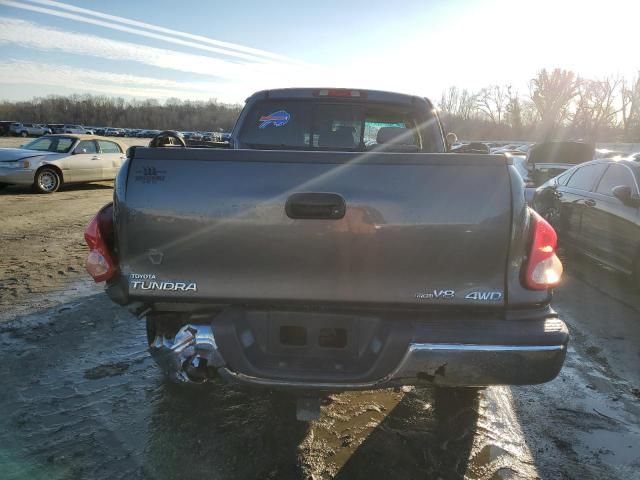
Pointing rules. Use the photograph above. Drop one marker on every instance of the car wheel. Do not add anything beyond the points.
(3, 185)
(47, 180)
(23, 134)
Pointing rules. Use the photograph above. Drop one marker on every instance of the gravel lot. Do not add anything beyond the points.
(81, 397)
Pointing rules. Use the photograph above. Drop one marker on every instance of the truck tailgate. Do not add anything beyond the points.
(213, 225)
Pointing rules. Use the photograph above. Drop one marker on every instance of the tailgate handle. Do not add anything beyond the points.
(326, 206)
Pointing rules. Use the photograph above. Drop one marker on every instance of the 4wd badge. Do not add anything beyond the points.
(484, 296)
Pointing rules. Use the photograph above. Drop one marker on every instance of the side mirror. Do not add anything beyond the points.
(624, 194)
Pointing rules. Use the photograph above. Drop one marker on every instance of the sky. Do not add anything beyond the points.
(200, 50)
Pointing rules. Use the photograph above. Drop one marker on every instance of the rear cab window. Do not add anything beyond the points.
(310, 124)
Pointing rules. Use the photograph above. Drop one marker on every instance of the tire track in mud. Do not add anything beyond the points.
(81, 398)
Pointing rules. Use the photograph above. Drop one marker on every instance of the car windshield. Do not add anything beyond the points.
(50, 144)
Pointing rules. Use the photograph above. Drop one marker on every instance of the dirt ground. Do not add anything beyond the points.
(82, 399)
(41, 237)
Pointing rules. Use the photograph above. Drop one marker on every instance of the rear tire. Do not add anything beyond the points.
(47, 180)
(23, 134)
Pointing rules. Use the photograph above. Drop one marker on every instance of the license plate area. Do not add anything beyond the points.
(311, 345)
(314, 337)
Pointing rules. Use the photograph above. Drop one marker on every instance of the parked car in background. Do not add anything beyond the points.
(4, 126)
(549, 159)
(473, 147)
(607, 153)
(114, 132)
(148, 133)
(53, 160)
(510, 146)
(28, 129)
(56, 127)
(512, 151)
(595, 208)
(525, 148)
(76, 129)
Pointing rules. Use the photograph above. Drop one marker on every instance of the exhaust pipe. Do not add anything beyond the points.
(192, 356)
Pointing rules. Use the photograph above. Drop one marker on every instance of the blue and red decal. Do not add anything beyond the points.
(277, 119)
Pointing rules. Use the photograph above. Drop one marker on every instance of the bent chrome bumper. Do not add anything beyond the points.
(194, 356)
(446, 365)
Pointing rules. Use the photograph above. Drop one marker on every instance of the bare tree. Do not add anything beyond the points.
(513, 112)
(492, 101)
(552, 93)
(595, 107)
(458, 103)
(449, 101)
(630, 105)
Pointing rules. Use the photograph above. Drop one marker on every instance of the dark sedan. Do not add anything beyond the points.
(595, 208)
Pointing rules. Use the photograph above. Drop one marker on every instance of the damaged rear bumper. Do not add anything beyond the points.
(451, 365)
(423, 353)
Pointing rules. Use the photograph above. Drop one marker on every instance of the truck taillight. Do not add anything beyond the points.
(543, 267)
(99, 236)
(339, 92)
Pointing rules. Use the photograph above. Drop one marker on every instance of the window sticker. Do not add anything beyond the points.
(277, 119)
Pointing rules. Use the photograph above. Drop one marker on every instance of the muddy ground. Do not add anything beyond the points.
(80, 397)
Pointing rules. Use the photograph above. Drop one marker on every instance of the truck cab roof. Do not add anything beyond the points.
(344, 93)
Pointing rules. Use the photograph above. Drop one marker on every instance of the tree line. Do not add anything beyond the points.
(558, 105)
(92, 110)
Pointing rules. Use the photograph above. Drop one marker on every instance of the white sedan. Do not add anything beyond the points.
(53, 160)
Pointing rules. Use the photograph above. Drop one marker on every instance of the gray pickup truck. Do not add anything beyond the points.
(335, 245)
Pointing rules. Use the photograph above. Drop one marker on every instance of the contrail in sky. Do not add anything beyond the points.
(208, 46)
(156, 28)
